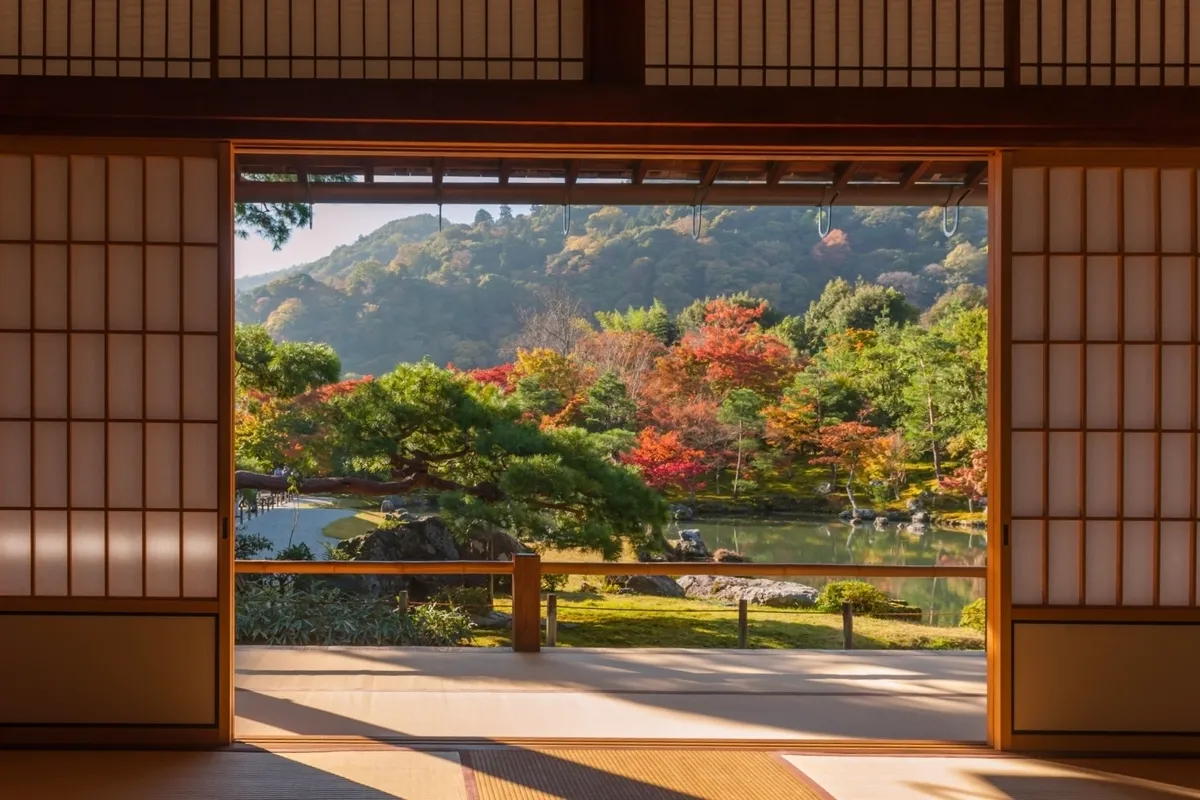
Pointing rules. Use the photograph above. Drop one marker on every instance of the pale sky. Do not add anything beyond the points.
(336, 224)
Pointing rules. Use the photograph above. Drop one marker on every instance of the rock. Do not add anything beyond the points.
(680, 511)
(729, 557)
(920, 518)
(896, 516)
(409, 538)
(756, 591)
(657, 585)
(824, 488)
(492, 619)
(881, 522)
(690, 547)
(914, 505)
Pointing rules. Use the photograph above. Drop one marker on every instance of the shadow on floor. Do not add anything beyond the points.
(529, 772)
(1059, 787)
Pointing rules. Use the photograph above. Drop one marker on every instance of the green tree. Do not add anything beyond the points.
(532, 397)
(655, 320)
(286, 369)
(741, 409)
(426, 429)
(608, 405)
(484, 217)
(860, 307)
(276, 221)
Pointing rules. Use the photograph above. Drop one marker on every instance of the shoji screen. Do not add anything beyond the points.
(114, 339)
(1110, 42)
(1101, 455)
(825, 42)
(400, 39)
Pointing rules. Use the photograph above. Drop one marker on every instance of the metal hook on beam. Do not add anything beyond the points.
(697, 220)
(566, 210)
(947, 229)
(825, 211)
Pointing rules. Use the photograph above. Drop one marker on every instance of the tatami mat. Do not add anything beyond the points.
(626, 774)
(231, 776)
(886, 778)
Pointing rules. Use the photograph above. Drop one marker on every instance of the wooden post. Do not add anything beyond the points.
(551, 620)
(615, 42)
(402, 602)
(743, 623)
(848, 626)
(527, 603)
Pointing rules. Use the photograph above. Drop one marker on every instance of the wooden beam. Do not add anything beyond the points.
(709, 174)
(975, 175)
(843, 174)
(639, 172)
(572, 172)
(776, 172)
(505, 171)
(677, 119)
(785, 194)
(914, 173)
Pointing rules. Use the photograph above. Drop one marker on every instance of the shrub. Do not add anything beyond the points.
(296, 552)
(471, 599)
(864, 597)
(248, 545)
(285, 615)
(974, 615)
(554, 583)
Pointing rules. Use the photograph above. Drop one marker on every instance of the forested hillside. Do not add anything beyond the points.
(462, 295)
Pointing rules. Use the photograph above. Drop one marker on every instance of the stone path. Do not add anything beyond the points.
(299, 522)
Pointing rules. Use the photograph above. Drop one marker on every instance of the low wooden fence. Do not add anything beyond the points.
(527, 570)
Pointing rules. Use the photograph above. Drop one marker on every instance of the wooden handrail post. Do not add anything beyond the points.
(551, 620)
(848, 626)
(743, 623)
(527, 603)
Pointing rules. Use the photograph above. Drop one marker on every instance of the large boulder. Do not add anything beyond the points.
(408, 538)
(755, 591)
(659, 585)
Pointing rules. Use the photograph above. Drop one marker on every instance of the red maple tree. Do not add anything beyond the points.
(843, 446)
(665, 462)
(970, 480)
(495, 376)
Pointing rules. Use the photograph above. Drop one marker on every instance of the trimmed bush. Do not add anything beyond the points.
(284, 615)
(974, 615)
(864, 597)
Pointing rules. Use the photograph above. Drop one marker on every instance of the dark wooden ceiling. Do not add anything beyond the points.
(545, 181)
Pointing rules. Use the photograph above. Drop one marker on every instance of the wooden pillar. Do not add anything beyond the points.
(527, 603)
(616, 42)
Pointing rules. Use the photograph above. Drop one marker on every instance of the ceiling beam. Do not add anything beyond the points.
(719, 194)
(776, 171)
(639, 172)
(914, 174)
(713, 120)
(843, 174)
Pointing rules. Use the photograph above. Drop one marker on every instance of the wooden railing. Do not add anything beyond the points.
(527, 570)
